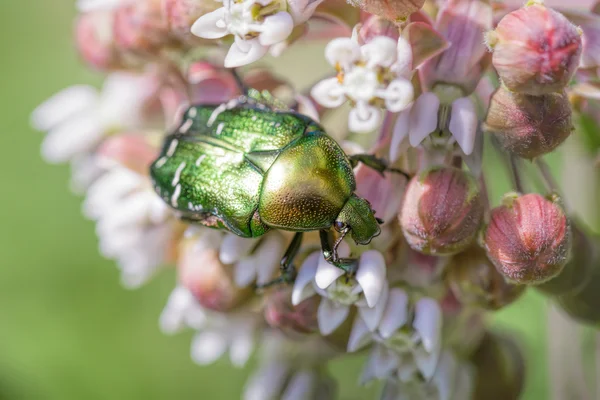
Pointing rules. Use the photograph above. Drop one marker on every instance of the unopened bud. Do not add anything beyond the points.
(536, 50)
(475, 281)
(442, 211)
(209, 280)
(280, 313)
(529, 126)
(528, 238)
(500, 368)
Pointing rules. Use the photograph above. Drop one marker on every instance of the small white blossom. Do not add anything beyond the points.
(134, 225)
(367, 291)
(421, 119)
(256, 25)
(372, 76)
(217, 333)
(79, 118)
(409, 338)
(94, 5)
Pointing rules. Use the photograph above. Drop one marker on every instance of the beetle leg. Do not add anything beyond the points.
(288, 270)
(239, 81)
(378, 164)
(348, 265)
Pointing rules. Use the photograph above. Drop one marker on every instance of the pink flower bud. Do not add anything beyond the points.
(475, 281)
(280, 313)
(180, 15)
(395, 11)
(140, 27)
(377, 26)
(536, 50)
(95, 41)
(133, 151)
(529, 126)
(209, 280)
(442, 211)
(528, 238)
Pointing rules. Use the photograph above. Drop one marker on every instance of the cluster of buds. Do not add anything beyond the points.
(421, 93)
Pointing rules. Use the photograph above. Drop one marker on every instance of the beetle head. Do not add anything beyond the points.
(359, 218)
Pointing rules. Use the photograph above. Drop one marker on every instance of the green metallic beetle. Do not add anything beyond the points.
(246, 167)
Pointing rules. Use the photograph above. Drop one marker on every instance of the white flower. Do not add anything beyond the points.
(453, 380)
(421, 119)
(368, 290)
(134, 225)
(255, 24)
(79, 118)
(94, 5)
(409, 338)
(217, 332)
(372, 76)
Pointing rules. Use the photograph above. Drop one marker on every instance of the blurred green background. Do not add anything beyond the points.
(68, 330)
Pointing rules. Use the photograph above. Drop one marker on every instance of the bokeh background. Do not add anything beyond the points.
(68, 330)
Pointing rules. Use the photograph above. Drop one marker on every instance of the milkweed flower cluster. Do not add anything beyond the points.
(422, 86)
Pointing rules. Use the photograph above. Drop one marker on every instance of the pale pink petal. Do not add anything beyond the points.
(302, 288)
(380, 364)
(76, 136)
(401, 129)
(463, 123)
(360, 335)
(423, 118)
(276, 28)
(428, 322)
(372, 315)
(211, 25)
(300, 387)
(234, 248)
(445, 376)
(208, 347)
(326, 274)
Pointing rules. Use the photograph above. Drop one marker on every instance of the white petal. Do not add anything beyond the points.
(372, 316)
(330, 316)
(395, 315)
(360, 335)
(380, 365)
(241, 349)
(302, 288)
(445, 375)
(234, 248)
(172, 317)
(307, 107)
(326, 274)
(267, 383)
(208, 347)
(75, 136)
(423, 117)
(400, 133)
(302, 10)
(381, 50)
(244, 272)
(426, 362)
(211, 25)
(398, 95)
(300, 387)
(63, 105)
(244, 52)
(428, 322)
(463, 123)
(475, 160)
(364, 118)
(94, 5)
(276, 28)
(343, 51)
(371, 275)
(403, 66)
(268, 257)
(329, 93)
(108, 190)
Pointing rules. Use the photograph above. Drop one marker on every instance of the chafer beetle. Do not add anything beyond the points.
(247, 167)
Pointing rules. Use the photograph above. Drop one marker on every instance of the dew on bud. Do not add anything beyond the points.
(528, 238)
(529, 126)
(442, 211)
(209, 280)
(475, 281)
(536, 50)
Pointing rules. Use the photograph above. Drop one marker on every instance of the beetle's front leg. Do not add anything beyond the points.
(287, 268)
(348, 265)
(378, 164)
